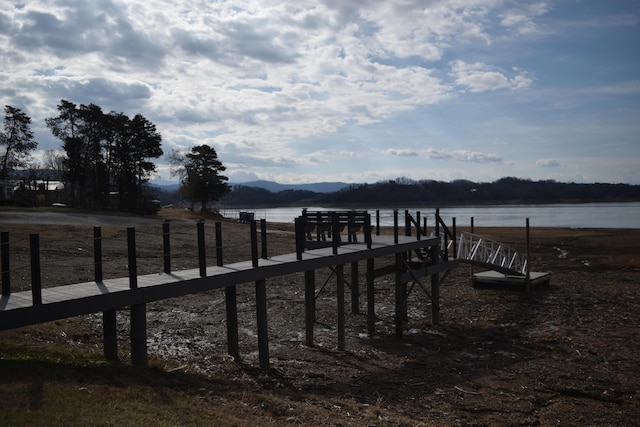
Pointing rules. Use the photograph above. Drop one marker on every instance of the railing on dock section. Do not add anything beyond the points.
(481, 250)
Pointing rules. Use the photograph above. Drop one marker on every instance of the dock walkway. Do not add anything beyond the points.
(17, 309)
(42, 305)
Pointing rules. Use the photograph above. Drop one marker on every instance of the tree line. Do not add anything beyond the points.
(106, 159)
(404, 192)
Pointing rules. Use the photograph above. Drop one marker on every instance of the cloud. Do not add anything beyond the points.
(336, 63)
(479, 77)
(83, 29)
(548, 163)
(522, 18)
(471, 156)
(402, 152)
(462, 156)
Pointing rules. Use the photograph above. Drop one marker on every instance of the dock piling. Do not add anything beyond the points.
(309, 305)
(202, 256)
(36, 283)
(263, 330)
(340, 300)
(109, 334)
(166, 246)
(355, 288)
(371, 311)
(97, 254)
(132, 257)
(5, 264)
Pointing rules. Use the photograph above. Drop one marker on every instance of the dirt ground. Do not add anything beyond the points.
(565, 354)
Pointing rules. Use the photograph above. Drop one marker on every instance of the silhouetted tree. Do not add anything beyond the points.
(16, 139)
(66, 127)
(105, 152)
(199, 170)
(138, 142)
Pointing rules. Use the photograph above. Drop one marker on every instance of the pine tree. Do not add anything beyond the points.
(17, 140)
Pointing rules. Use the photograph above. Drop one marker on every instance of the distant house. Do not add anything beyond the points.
(6, 190)
(38, 191)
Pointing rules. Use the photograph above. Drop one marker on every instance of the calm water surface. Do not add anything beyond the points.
(587, 215)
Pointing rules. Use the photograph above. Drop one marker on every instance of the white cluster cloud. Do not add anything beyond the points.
(479, 77)
(440, 154)
(239, 63)
(548, 163)
(522, 18)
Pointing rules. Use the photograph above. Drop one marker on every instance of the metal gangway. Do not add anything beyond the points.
(481, 251)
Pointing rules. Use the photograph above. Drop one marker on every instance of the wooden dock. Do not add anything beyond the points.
(24, 308)
(17, 309)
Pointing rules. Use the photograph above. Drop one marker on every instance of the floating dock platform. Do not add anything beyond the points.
(494, 279)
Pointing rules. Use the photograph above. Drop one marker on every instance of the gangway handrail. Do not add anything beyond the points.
(480, 250)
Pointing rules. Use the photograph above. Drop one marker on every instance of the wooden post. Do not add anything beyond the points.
(399, 295)
(109, 324)
(528, 287)
(138, 319)
(395, 226)
(6, 270)
(300, 237)
(231, 306)
(340, 299)
(230, 300)
(367, 232)
(36, 283)
(335, 232)
(131, 251)
(349, 222)
(263, 330)
(97, 254)
(139, 334)
(166, 245)
(202, 256)
(472, 270)
(355, 288)
(110, 334)
(254, 243)
(407, 223)
(309, 305)
(435, 287)
(263, 237)
(371, 311)
(454, 237)
(219, 243)
(377, 222)
(418, 230)
(405, 295)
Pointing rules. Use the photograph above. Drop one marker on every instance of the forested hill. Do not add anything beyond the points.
(405, 192)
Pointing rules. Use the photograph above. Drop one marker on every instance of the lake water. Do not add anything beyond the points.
(583, 215)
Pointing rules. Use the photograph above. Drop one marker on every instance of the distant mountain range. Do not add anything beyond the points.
(274, 187)
(403, 192)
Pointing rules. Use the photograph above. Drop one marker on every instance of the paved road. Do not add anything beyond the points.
(74, 218)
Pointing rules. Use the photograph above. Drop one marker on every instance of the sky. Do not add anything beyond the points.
(299, 91)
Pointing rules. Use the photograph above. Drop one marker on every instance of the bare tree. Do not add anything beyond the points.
(54, 160)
